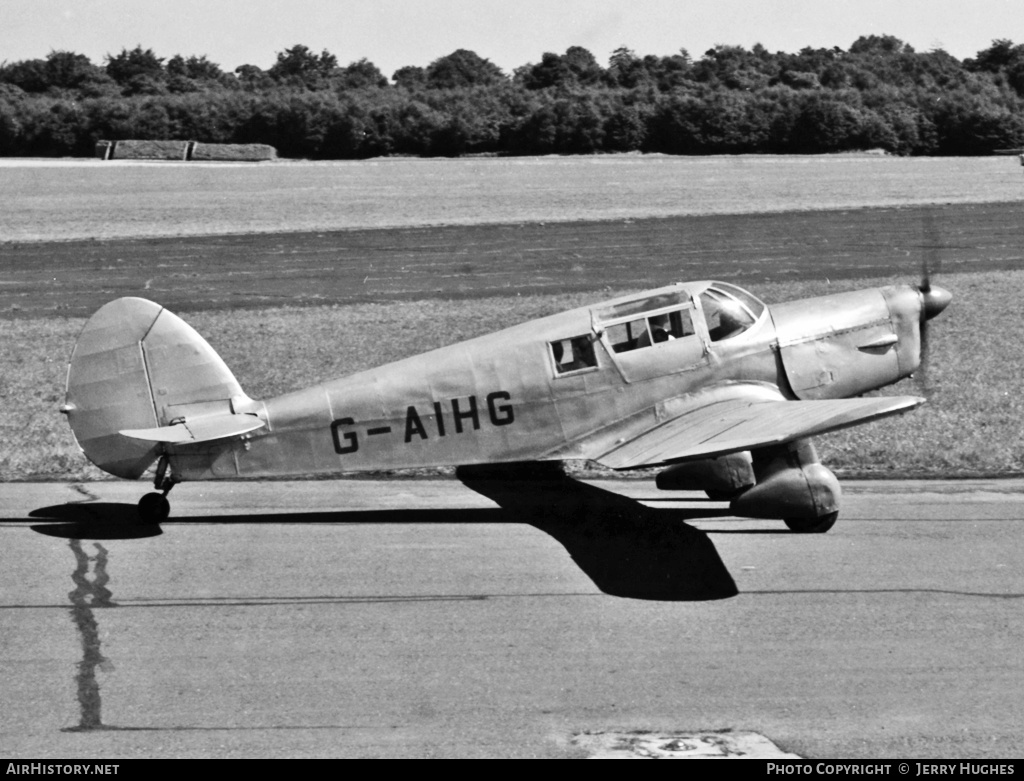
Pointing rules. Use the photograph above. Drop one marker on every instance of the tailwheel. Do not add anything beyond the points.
(154, 508)
(812, 525)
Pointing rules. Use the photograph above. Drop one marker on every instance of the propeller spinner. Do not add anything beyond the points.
(934, 300)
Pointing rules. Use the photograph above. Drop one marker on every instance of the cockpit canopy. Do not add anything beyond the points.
(633, 324)
(630, 325)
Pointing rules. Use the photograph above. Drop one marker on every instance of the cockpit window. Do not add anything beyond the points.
(645, 331)
(729, 311)
(627, 336)
(574, 354)
(671, 325)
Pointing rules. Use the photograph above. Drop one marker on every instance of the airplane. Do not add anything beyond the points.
(702, 380)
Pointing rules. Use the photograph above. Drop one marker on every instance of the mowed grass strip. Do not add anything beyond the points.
(973, 424)
(47, 200)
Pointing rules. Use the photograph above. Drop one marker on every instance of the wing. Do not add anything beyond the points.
(713, 426)
(202, 429)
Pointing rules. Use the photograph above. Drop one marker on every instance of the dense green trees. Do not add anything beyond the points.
(878, 94)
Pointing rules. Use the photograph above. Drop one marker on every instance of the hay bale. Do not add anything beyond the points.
(233, 152)
(149, 150)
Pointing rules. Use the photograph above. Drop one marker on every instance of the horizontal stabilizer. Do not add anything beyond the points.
(732, 425)
(204, 429)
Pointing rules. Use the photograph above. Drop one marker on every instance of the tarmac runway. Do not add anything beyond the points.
(419, 618)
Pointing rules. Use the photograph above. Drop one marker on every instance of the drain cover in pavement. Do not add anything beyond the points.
(681, 745)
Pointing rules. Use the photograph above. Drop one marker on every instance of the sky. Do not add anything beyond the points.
(510, 33)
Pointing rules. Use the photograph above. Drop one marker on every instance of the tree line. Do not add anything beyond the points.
(878, 94)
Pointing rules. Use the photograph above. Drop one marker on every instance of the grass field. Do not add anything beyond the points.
(45, 200)
(369, 296)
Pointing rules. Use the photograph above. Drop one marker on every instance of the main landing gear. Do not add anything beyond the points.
(154, 508)
(812, 525)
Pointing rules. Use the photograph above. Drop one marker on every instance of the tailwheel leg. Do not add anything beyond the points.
(155, 507)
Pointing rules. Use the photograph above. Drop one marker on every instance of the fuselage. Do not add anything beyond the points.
(571, 384)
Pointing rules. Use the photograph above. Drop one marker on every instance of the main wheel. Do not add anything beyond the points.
(154, 508)
(812, 525)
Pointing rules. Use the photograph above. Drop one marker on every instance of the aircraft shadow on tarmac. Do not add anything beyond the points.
(626, 548)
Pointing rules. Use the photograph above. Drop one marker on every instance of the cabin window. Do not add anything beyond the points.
(574, 354)
(728, 315)
(627, 336)
(645, 331)
(672, 325)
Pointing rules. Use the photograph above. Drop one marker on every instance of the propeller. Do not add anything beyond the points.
(934, 299)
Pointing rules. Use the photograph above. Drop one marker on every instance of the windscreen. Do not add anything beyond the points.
(729, 311)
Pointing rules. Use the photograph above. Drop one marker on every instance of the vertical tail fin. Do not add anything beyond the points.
(138, 366)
